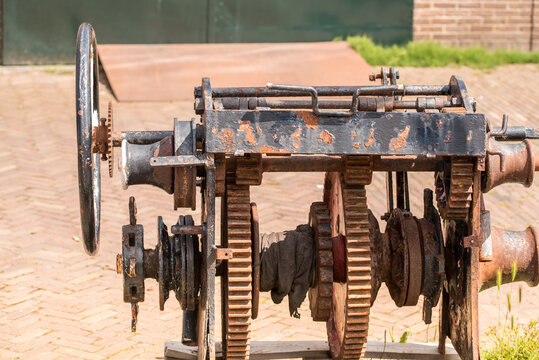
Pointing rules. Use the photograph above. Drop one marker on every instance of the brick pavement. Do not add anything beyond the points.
(57, 303)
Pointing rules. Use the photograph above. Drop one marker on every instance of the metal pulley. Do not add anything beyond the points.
(174, 262)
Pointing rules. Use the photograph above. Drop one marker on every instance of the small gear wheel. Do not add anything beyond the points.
(110, 146)
(454, 189)
(321, 293)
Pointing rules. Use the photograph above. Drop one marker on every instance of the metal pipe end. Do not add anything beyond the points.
(122, 166)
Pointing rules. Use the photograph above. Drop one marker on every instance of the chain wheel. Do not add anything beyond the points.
(237, 285)
(321, 293)
(349, 216)
(454, 192)
(110, 145)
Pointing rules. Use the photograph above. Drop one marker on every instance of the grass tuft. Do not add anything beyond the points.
(519, 343)
(511, 341)
(430, 54)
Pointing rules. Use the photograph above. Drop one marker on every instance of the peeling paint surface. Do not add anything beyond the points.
(227, 140)
(326, 136)
(371, 138)
(369, 133)
(249, 134)
(400, 140)
(296, 134)
(310, 120)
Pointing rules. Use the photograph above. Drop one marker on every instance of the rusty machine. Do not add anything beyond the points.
(340, 258)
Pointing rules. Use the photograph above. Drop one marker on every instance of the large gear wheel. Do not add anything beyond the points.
(237, 285)
(322, 291)
(454, 189)
(349, 217)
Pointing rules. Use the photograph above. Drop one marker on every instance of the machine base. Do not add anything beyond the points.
(318, 350)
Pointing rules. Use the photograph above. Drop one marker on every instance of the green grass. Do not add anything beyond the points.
(510, 340)
(58, 70)
(521, 342)
(429, 54)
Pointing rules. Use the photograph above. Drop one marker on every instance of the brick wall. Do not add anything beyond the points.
(494, 24)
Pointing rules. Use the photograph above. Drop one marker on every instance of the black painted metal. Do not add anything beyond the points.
(143, 137)
(515, 133)
(401, 194)
(87, 110)
(234, 103)
(136, 167)
(133, 262)
(209, 260)
(371, 133)
(189, 327)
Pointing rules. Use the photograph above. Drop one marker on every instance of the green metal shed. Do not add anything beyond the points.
(43, 31)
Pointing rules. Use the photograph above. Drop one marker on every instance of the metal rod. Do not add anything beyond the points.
(513, 133)
(331, 91)
(400, 190)
(234, 104)
(389, 194)
(406, 191)
(179, 161)
(187, 229)
(139, 137)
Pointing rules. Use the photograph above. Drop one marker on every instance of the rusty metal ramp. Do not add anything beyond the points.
(168, 72)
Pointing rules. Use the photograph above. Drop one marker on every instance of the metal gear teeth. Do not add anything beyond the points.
(238, 282)
(460, 189)
(358, 272)
(321, 294)
(358, 172)
(249, 170)
(110, 145)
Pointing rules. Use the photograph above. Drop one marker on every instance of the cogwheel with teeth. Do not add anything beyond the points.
(454, 188)
(322, 291)
(237, 285)
(110, 146)
(346, 198)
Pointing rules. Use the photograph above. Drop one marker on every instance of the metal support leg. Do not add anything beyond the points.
(206, 324)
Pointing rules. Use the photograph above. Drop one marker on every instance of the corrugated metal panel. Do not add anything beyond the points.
(38, 31)
(386, 21)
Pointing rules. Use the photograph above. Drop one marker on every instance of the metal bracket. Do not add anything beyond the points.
(181, 161)
(309, 90)
(223, 253)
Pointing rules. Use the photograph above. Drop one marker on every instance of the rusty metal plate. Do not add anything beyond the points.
(371, 133)
(170, 72)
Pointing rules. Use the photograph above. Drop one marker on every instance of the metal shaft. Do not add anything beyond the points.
(306, 163)
(331, 91)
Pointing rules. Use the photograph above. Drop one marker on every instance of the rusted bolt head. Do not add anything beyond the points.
(119, 263)
(473, 102)
(372, 77)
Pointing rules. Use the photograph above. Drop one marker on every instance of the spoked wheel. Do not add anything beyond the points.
(237, 285)
(349, 218)
(87, 107)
